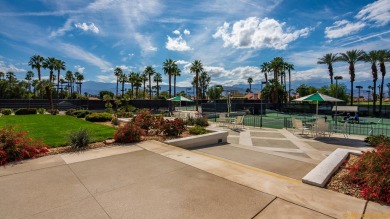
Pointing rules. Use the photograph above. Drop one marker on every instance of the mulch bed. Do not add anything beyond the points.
(337, 184)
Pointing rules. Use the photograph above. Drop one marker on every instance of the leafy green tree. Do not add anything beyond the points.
(214, 93)
(196, 67)
(329, 59)
(250, 81)
(383, 56)
(303, 90)
(102, 93)
(351, 57)
(2, 75)
(274, 90)
(372, 58)
(117, 72)
(169, 67)
(36, 62)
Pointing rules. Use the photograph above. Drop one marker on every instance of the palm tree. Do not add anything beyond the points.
(265, 68)
(29, 76)
(276, 66)
(36, 62)
(2, 75)
(144, 78)
(149, 71)
(351, 57)
(289, 67)
(329, 59)
(372, 57)
(250, 81)
(69, 77)
(117, 72)
(157, 78)
(137, 84)
(383, 56)
(132, 77)
(50, 64)
(196, 67)
(59, 65)
(123, 79)
(176, 73)
(169, 66)
(79, 78)
(10, 76)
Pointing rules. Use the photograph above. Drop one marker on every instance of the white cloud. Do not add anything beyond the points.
(125, 67)
(61, 31)
(257, 34)
(177, 44)
(87, 27)
(187, 32)
(79, 68)
(145, 43)
(378, 12)
(177, 32)
(106, 78)
(343, 28)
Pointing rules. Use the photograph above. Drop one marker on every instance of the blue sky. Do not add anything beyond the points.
(231, 37)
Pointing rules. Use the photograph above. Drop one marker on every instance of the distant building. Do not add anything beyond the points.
(253, 96)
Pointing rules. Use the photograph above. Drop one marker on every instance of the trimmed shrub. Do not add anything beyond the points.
(375, 140)
(123, 114)
(6, 112)
(201, 121)
(173, 127)
(81, 113)
(26, 111)
(128, 108)
(70, 112)
(197, 130)
(16, 146)
(99, 117)
(79, 139)
(371, 173)
(41, 110)
(130, 132)
(109, 110)
(53, 111)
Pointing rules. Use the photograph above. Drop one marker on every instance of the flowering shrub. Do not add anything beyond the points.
(372, 174)
(124, 114)
(130, 132)
(145, 120)
(173, 127)
(6, 112)
(16, 146)
(377, 139)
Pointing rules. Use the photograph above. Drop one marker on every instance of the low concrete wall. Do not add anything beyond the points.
(215, 137)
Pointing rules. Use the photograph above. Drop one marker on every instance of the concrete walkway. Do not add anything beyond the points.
(154, 180)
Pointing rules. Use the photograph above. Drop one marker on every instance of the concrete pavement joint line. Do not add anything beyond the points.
(88, 191)
(249, 168)
(284, 155)
(264, 207)
(309, 150)
(32, 170)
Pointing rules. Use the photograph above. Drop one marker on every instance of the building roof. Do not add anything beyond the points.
(345, 108)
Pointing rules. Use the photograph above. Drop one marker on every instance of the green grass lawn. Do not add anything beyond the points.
(55, 130)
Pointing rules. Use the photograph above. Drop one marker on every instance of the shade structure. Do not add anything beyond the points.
(317, 97)
(180, 98)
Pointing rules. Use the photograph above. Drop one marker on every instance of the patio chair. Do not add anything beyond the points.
(298, 125)
(321, 128)
(342, 130)
(238, 121)
(222, 120)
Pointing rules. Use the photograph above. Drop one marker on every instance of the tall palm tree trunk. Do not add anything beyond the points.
(117, 84)
(383, 71)
(197, 89)
(170, 84)
(174, 85)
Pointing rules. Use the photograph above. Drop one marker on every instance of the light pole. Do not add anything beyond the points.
(337, 78)
(368, 102)
(359, 87)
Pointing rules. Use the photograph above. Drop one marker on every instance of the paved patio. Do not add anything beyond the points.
(155, 180)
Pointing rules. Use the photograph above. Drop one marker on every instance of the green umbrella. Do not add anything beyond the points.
(180, 98)
(318, 97)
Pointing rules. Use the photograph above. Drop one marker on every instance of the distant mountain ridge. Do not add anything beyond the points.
(93, 87)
